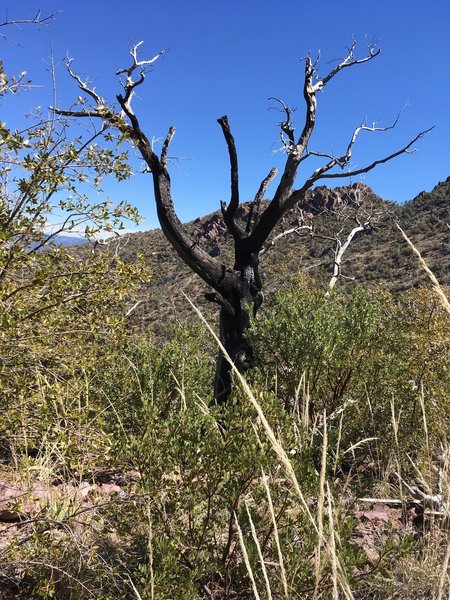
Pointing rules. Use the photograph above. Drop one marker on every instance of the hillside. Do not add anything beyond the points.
(379, 255)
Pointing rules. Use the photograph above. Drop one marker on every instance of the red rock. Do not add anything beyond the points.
(109, 488)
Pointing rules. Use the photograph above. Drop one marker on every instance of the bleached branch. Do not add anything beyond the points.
(297, 230)
(130, 84)
(83, 85)
(134, 307)
(339, 252)
(431, 501)
(100, 110)
(349, 61)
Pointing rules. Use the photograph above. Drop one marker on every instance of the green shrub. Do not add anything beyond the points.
(369, 358)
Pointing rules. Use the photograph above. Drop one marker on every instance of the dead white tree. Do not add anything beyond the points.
(363, 217)
(361, 214)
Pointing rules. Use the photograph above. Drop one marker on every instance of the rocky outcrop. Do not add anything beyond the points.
(212, 230)
(331, 199)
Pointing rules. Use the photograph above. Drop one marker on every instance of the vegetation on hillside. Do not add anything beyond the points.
(379, 256)
(351, 397)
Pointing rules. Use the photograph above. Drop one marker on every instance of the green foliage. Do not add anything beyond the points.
(178, 535)
(142, 408)
(48, 174)
(55, 324)
(306, 335)
(369, 359)
(58, 311)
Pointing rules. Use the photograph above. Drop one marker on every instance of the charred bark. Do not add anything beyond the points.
(238, 290)
(234, 324)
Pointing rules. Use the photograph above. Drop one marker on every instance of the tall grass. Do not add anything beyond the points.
(339, 573)
(436, 285)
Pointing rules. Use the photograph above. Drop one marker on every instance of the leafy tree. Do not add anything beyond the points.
(55, 306)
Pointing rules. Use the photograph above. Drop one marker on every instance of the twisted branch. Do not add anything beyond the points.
(129, 84)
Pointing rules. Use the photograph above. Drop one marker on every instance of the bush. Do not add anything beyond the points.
(377, 363)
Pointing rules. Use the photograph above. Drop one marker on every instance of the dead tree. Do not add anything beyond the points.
(354, 216)
(237, 288)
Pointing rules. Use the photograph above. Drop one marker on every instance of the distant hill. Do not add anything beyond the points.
(66, 241)
(69, 240)
(379, 255)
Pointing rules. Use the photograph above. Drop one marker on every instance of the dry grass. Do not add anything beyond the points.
(339, 574)
(436, 285)
(410, 575)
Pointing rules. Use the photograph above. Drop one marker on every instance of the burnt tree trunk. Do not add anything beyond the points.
(238, 289)
(235, 322)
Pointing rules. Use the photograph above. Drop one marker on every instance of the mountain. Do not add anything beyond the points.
(379, 255)
(69, 240)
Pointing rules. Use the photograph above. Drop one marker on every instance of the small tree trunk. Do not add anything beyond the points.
(234, 324)
(232, 336)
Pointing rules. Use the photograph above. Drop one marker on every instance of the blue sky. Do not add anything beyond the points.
(228, 58)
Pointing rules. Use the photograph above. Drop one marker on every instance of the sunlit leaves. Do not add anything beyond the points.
(48, 172)
(355, 356)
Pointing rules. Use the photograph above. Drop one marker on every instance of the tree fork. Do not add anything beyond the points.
(237, 289)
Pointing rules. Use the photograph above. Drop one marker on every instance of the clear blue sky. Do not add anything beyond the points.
(228, 58)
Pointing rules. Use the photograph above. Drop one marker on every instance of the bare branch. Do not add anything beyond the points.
(138, 63)
(296, 230)
(129, 84)
(134, 307)
(38, 20)
(366, 217)
(83, 85)
(166, 145)
(349, 61)
(309, 93)
(76, 113)
(230, 211)
(430, 501)
(287, 125)
(264, 185)
(380, 161)
(104, 112)
(363, 127)
(342, 161)
(101, 111)
(282, 199)
(254, 207)
(339, 252)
